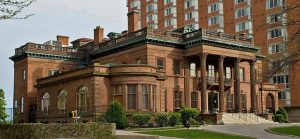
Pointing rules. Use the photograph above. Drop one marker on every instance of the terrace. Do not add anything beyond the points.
(40, 50)
(174, 38)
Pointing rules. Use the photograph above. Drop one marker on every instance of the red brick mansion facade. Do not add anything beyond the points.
(146, 70)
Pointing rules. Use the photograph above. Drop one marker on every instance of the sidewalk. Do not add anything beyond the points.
(257, 131)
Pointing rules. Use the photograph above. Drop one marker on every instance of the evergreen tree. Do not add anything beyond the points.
(3, 114)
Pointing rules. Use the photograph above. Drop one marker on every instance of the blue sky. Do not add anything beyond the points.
(73, 18)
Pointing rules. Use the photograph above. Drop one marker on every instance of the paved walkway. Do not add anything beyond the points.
(257, 131)
(252, 130)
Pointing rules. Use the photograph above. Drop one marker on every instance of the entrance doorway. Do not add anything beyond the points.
(270, 103)
(213, 102)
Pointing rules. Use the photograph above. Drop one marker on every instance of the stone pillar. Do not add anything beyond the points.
(139, 97)
(237, 88)
(204, 94)
(253, 86)
(222, 104)
(125, 97)
(150, 99)
(187, 100)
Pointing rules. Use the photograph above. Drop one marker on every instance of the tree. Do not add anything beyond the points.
(288, 17)
(10, 9)
(3, 114)
(116, 114)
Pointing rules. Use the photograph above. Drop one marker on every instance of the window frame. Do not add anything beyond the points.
(163, 66)
(177, 67)
(133, 94)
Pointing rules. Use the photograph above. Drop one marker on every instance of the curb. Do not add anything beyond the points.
(280, 134)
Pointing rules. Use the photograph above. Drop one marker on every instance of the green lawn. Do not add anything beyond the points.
(294, 130)
(192, 134)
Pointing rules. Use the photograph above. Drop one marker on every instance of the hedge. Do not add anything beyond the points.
(80, 130)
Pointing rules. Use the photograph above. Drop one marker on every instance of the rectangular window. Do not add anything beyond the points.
(131, 102)
(243, 99)
(281, 95)
(278, 32)
(188, 16)
(242, 12)
(16, 103)
(160, 63)
(177, 99)
(242, 74)
(229, 100)
(243, 26)
(193, 26)
(145, 96)
(152, 7)
(239, 1)
(22, 105)
(276, 48)
(24, 74)
(213, 20)
(176, 67)
(211, 71)
(194, 100)
(168, 11)
(274, 3)
(171, 22)
(228, 73)
(193, 69)
(53, 72)
(213, 7)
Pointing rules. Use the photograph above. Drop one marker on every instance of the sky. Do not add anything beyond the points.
(73, 18)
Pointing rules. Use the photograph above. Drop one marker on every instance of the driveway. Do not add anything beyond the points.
(257, 131)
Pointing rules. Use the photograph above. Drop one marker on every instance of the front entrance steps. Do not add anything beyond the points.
(243, 118)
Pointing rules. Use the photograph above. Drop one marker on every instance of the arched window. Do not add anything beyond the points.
(62, 101)
(45, 103)
(82, 98)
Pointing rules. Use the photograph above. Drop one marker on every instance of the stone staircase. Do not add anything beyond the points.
(243, 118)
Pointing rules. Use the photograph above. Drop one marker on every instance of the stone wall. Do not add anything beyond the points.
(26, 131)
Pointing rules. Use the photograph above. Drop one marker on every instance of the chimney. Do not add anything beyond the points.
(133, 22)
(98, 35)
(63, 39)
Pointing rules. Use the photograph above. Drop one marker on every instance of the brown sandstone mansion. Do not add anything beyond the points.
(147, 69)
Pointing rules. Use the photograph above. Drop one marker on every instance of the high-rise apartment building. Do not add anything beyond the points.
(257, 19)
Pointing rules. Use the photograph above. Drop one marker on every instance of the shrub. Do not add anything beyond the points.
(278, 118)
(284, 114)
(141, 119)
(187, 114)
(116, 114)
(161, 119)
(174, 118)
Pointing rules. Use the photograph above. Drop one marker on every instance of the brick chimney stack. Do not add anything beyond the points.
(98, 35)
(63, 39)
(133, 21)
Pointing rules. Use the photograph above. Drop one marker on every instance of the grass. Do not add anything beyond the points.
(192, 134)
(293, 130)
(152, 129)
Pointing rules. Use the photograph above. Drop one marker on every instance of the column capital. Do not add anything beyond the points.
(203, 55)
(252, 61)
(237, 60)
(221, 58)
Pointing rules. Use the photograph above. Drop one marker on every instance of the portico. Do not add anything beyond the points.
(218, 76)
